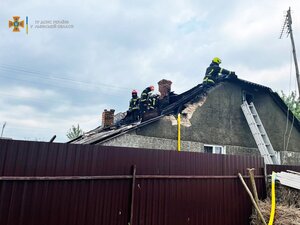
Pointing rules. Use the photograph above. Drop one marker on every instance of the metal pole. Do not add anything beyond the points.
(132, 196)
(179, 134)
(3, 128)
(52, 139)
(294, 49)
(117, 177)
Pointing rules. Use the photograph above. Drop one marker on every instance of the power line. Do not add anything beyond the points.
(31, 98)
(29, 127)
(55, 77)
(59, 85)
(33, 70)
(34, 74)
(56, 85)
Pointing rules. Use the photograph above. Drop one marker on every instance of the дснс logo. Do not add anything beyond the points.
(16, 24)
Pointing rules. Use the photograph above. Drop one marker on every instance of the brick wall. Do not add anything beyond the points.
(108, 118)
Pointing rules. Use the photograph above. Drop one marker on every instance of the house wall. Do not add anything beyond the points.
(285, 137)
(276, 124)
(133, 140)
(218, 119)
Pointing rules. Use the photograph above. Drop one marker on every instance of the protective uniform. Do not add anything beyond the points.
(144, 103)
(153, 102)
(134, 108)
(215, 73)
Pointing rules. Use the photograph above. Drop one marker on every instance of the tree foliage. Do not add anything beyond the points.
(292, 102)
(74, 132)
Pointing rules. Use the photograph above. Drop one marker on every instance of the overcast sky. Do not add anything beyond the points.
(53, 78)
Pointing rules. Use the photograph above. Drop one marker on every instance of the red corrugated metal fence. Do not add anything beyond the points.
(81, 184)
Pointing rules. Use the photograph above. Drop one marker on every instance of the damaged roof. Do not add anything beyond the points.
(177, 104)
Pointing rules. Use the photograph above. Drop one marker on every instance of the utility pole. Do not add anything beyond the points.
(288, 27)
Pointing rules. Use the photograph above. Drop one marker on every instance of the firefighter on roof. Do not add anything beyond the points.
(145, 99)
(153, 102)
(134, 109)
(215, 73)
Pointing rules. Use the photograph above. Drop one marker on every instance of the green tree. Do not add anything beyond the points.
(74, 132)
(292, 102)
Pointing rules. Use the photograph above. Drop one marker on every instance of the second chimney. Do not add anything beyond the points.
(108, 118)
(164, 87)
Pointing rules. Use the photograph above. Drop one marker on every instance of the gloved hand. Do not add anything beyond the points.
(232, 75)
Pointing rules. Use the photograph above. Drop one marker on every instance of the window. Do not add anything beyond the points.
(208, 149)
(215, 149)
(247, 97)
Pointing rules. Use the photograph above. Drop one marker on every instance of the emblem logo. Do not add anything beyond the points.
(16, 24)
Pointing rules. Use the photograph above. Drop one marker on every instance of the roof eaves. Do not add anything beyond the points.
(277, 99)
(107, 138)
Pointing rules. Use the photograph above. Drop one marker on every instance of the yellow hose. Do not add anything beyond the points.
(273, 200)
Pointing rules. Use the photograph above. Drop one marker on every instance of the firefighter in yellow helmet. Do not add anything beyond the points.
(215, 73)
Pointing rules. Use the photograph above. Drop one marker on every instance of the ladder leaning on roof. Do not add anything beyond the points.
(259, 133)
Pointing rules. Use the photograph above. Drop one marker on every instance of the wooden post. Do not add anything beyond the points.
(132, 195)
(252, 199)
(252, 180)
(251, 174)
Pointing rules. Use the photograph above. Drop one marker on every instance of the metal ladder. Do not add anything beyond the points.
(259, 133)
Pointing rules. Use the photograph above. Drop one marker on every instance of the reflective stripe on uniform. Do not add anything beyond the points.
(220, 73)
(134, 104)
(144, 97)
(206, 79)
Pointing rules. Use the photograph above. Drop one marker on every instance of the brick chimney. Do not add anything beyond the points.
(164, 87)
(108, 118)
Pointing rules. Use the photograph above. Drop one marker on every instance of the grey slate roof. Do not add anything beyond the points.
(99, 134)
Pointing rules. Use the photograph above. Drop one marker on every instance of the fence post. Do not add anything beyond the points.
(252, 180)
(132, 195)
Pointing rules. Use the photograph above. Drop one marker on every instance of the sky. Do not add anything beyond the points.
(56, 77)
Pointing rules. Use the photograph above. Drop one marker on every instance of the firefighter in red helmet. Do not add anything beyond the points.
(145, 97)
(134, 106)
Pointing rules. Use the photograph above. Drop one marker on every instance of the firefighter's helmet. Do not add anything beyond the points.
(217, 60)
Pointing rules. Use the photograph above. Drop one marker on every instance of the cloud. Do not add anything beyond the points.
(52, 79)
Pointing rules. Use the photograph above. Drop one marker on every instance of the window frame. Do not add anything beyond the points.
(223, 149)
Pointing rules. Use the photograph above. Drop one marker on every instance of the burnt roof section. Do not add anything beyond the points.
(177, 104)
